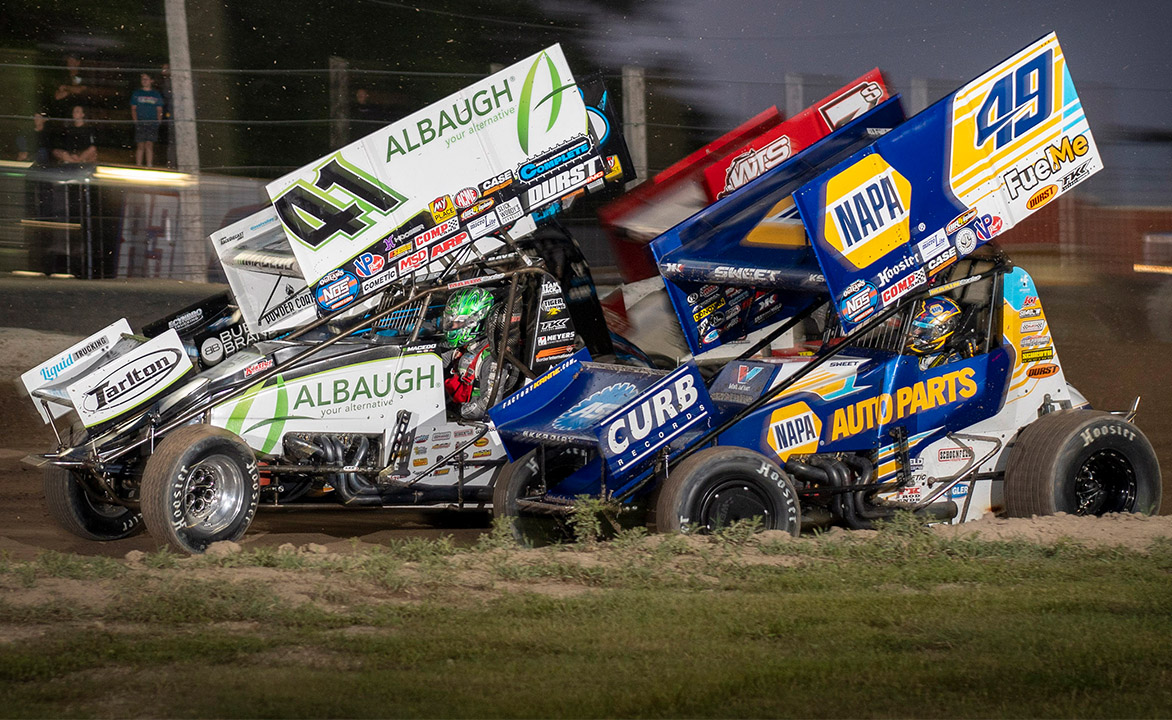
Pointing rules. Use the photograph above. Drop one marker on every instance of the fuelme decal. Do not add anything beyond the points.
(907, 401)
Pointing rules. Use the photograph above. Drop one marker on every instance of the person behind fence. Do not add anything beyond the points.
(32, 145)
(470, 365)
(77, 143)
(146, 108)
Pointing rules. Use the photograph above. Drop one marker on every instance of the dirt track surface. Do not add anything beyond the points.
(1114, 339)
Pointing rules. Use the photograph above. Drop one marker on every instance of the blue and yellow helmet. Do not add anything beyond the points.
(932, 325)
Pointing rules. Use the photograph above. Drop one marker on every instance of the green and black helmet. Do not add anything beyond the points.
(463, 314)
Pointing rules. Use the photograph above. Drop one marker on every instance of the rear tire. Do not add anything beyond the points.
(73, 509)
(199, 487)
(1081, 462)
(721, 485)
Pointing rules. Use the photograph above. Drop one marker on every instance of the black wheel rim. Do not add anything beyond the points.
(1105, 483)
(728, 501)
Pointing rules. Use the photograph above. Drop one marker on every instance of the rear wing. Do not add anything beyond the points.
(723, 165)
(501, 156)
(884, 221)
(744, 262)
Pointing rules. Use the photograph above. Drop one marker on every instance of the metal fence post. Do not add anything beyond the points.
(635, 119)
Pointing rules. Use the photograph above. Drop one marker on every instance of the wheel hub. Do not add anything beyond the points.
(1105, 483)
(731, 501)
(213, 494)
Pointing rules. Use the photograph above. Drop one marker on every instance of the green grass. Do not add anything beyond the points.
(900, 624)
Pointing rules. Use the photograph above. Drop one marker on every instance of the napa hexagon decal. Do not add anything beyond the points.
(867, 208)
(793, 430)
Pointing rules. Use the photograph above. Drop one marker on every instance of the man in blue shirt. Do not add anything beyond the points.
(146, 107)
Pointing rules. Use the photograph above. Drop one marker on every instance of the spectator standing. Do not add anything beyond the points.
(78, 143)
(33, 145)
(146, 107)
(365, 116)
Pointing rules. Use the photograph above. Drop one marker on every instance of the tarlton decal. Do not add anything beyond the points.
(907, 401)
(867, 211)
(794, 429)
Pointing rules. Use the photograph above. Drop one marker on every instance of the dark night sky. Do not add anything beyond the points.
(736, 55)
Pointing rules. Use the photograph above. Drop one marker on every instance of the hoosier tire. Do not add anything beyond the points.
(721, 485)
(1081, 462)
(73, 509)
(199, 487)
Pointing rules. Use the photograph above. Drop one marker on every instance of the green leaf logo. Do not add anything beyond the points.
(527, 106)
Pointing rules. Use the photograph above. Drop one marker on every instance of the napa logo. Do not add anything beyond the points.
(528, 106)
(596, 407)
(867, 211)
(793, 429)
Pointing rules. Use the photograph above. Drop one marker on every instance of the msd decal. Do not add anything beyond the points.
(793, 429)
(667, 409)
(867, 211)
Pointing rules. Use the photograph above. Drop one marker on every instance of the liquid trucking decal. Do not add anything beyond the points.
(965, 170)
(70, 363)
(508, 148)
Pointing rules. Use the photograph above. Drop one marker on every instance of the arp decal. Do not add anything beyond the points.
(793, 429)
(867, 211)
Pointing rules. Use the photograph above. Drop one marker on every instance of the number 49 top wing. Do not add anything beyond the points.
(968, 168)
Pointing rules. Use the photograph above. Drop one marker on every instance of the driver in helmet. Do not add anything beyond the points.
(471, 366)
(933, 334)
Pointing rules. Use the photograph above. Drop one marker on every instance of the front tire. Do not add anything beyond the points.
(721, 485)
(73, 509)
(199, 487)
(1081, 462)
(516, 481)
